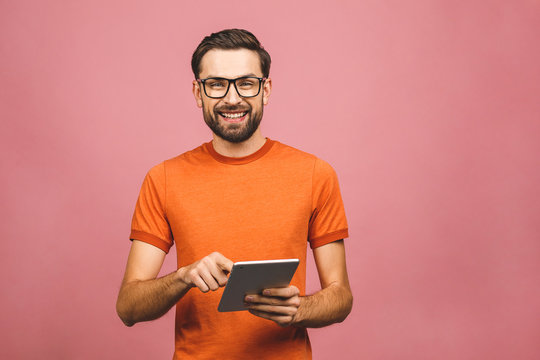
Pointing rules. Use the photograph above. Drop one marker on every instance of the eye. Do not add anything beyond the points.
(216, 84)
(246, 83)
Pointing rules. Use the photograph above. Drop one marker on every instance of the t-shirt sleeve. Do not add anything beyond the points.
(328, 222)
(149, 223)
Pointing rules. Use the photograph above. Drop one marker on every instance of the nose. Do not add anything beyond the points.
(232, 97)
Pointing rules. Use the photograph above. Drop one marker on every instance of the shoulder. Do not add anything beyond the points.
(320, 167)
(286, 152)
(156, 173)
(282, 148)
(196, 155)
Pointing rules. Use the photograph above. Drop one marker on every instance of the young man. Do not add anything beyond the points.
(239, 197)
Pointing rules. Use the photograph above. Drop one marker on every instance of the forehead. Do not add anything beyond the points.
(230, 63)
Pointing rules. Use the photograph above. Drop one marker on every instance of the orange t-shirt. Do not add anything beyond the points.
(264, 206)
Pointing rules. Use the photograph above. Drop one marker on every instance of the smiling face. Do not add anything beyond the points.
(232, 118)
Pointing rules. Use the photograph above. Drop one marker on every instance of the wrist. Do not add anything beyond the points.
(180, 276)
(298, 318)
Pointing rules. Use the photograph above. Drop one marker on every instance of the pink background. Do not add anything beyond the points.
(428, 110)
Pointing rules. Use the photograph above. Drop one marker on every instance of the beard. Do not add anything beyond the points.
(235, 133)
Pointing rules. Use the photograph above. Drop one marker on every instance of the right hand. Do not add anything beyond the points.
(209, 273)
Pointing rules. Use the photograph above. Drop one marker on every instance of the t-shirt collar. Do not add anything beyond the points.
(239, 160)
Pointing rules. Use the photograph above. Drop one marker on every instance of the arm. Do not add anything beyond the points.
(334, 301)
(142, 297)
(329, 305)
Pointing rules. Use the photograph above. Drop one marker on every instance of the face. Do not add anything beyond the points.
(232, 118)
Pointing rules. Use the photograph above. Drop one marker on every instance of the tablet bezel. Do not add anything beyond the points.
(252, 277)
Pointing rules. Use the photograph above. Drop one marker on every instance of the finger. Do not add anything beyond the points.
(285, 292)
(279, 319)
(277, 310)
(198, 282)
(218, 274)
(208, 279)
(193, 278)
(215, 271)
(272, 300)
(223, 262)
(220, 277)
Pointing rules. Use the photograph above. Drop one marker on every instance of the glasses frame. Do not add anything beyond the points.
(203, 81)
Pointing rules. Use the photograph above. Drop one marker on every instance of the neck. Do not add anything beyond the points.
(248, 147)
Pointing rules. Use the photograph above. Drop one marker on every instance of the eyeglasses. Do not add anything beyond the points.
(246, 86)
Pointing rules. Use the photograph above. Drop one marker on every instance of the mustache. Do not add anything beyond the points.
(232, 108)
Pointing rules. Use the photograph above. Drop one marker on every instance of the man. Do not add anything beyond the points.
(239, 197)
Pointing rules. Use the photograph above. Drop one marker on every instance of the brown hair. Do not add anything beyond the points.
(230, 39)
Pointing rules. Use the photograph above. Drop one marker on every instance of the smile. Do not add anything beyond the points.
(233, 116)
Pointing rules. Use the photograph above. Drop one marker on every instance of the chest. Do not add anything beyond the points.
(243, 214)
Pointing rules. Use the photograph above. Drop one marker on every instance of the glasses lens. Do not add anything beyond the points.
(248, 86)
(216, 87)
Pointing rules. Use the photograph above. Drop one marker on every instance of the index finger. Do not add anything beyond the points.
(223, 262)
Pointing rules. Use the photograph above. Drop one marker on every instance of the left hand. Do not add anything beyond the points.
(279, 304)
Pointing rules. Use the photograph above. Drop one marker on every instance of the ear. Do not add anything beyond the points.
(267, 89)
(197, 93)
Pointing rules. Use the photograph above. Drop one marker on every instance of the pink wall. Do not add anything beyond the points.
(428, 111)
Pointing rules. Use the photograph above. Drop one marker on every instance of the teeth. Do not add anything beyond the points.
(233, 115)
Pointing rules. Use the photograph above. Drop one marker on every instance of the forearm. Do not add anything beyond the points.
(327, 306)
(144, 300)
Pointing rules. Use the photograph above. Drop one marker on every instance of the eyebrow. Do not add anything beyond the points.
(241, 76)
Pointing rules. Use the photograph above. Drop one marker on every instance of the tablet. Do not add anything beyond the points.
(252, 277)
